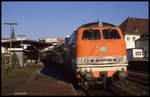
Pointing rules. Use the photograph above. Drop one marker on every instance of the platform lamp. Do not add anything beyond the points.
(10, 23)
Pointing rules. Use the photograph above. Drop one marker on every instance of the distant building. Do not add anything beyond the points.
(142, 43)
(3, 49)
(60, 41)
(132, 29)
(21, 38)
(135, 54)
(54, 40)
(4, 39)
(19, 51)
(51, 39)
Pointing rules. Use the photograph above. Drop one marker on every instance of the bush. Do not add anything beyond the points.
(25, 59)
(4, 60)
(15, 60)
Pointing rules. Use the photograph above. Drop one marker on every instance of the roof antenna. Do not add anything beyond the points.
(97, 22)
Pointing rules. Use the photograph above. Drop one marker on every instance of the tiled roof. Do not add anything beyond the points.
(143, 39)
(134, 26)
(144, 36)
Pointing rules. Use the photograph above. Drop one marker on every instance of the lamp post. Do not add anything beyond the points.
(10, 23)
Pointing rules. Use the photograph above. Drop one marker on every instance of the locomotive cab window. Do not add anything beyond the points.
(111, 34)
(91, 35)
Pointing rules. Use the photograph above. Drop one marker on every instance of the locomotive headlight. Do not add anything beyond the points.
(119, 59)
(86, 60)
(100, 24)
(89, 76)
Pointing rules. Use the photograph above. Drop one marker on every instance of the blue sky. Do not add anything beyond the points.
(57, 19)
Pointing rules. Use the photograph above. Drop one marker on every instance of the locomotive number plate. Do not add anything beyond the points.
(103, 49)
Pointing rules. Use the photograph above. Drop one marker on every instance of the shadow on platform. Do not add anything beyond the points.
(140, 66)
(55, 72)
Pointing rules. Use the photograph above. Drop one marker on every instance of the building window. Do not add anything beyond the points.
(128, 38)
(133, 38)
(138, 53)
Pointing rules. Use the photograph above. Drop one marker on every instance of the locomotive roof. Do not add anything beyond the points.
(95, 24)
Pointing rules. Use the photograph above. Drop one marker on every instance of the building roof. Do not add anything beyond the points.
(144, 36)
(16, 43)
(134, 26)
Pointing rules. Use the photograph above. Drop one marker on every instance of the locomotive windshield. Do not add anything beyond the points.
(111, 34)
(91, 35)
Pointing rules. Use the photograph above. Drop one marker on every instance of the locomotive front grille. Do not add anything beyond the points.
(102, 60)
(106, 60)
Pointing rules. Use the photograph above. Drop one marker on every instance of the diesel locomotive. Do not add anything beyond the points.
(95, 53)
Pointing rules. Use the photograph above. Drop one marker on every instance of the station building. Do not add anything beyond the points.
(23, 47)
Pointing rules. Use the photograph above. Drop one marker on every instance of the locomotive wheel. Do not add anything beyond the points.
(85, 86)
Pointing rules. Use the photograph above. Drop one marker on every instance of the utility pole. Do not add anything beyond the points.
(10, 23)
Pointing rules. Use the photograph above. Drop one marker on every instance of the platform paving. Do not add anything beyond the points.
(50, 83)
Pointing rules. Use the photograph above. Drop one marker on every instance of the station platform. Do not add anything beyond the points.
(47, 82)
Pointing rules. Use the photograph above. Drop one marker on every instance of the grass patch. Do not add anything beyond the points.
(15, 79)
(4, 67)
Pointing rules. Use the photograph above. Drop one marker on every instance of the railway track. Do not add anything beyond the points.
(132, 88)
(122, 88)
(139, 78)
(115, 91)
(96, 92)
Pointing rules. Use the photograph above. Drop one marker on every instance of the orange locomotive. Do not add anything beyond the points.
(95, 53)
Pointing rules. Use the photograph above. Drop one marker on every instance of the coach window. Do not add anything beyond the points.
(70, 39)
(91, 35)
(111, 34)
(74, 37)
(67, 41)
